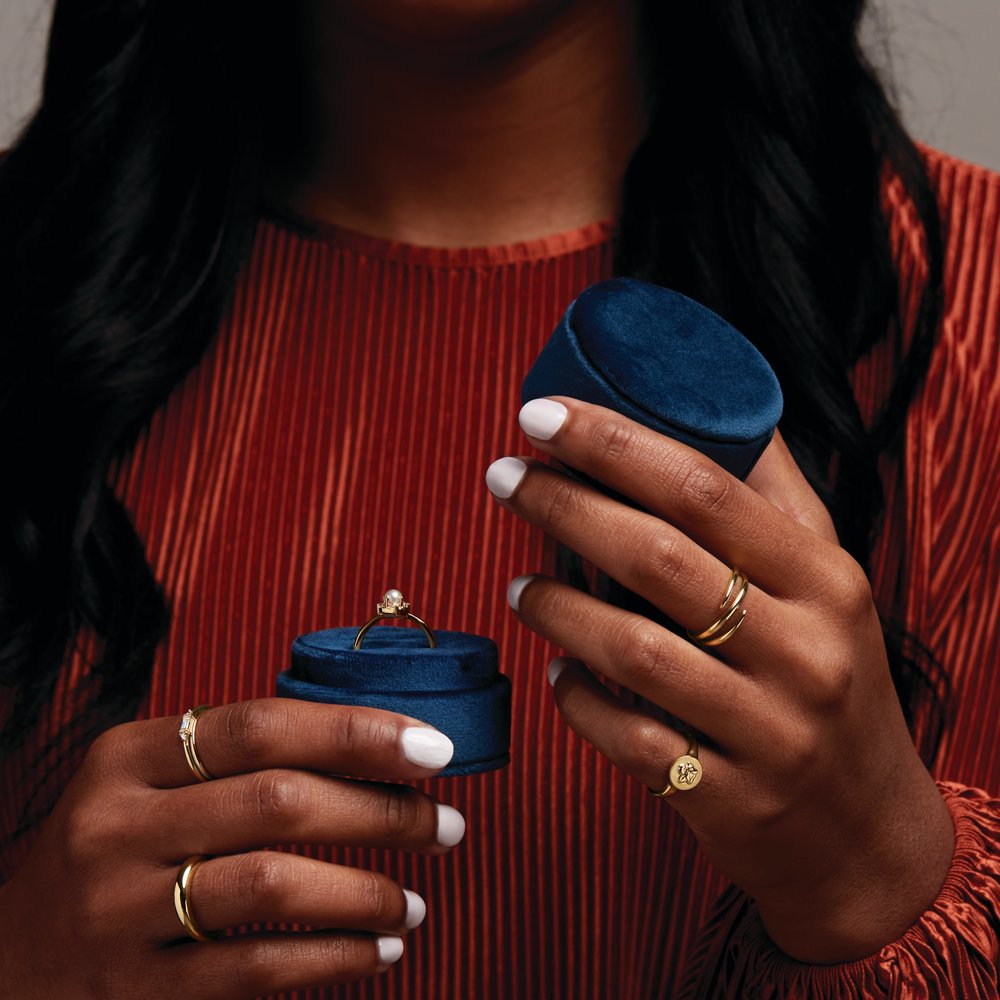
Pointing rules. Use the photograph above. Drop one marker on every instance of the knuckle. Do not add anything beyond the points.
(612, 438)
(273, 797)
(400, 814)
(648, 657)
(362, 730)
(559, 501)
(374, 901)
(247, 730)
(109, 752)
(645, 750)
(703, 488)
(853, 589)
(662, 561)
(263, 880)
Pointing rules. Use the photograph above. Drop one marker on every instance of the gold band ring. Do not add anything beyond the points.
(685, 772)
(182, 898)
(393, 605)
(187, 734)
(732, 614)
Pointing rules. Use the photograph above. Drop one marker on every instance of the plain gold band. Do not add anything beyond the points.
(397, 617)
(730, 608)
(190, 747)
(182, 898)
(671, 787)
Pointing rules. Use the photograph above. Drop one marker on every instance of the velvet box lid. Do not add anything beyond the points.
(665, 361)
(455, 686)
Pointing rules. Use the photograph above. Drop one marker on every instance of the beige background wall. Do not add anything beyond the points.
(944, 54)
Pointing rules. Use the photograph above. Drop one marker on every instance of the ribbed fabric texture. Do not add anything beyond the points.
(332, 444)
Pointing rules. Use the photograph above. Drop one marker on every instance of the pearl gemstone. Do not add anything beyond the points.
(393, 598)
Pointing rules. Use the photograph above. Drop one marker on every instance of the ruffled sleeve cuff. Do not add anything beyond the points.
(950, 952)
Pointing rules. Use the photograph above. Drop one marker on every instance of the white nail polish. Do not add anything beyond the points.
(515, 588)
(390, 948)
(504, 476)
(427, 747)
(451, 826)
(556, 667)
(416, 909)
(542, 418)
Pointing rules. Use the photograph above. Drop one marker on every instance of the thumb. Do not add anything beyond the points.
(778, 479)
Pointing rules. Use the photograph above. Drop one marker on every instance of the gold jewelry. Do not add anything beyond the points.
(182, 898)
(730, 608)
(685, 772)
(187, 734)
(393, 605)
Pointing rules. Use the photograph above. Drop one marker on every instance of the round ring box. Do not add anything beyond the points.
(455, 687)
(667, 362)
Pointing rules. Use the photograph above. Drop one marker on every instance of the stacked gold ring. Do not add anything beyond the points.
(189, 725)
(732, 614)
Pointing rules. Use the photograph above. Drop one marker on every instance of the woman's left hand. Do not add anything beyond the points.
(813, 798)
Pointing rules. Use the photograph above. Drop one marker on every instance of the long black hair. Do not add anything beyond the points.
(131, 197)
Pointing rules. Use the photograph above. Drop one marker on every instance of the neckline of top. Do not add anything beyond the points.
(571, 241)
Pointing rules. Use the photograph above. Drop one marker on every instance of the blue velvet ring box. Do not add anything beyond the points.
(667, 362)
(455, 687)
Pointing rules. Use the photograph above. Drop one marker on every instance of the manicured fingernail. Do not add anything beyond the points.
(416, 909)
(451, 826)
(542, 418)
(515, 588)
(504, 476)
(427, 747)
(556, 667)
(390, 949)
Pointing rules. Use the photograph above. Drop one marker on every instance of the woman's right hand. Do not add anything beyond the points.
(91, 914)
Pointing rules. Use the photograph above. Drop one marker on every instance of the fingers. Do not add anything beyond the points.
(275, 887)
(252, 965)
(640, 745)
(252, 811)
(637, 653)
(778, 479)
(281, 733)
(714, 509)
(646, 555)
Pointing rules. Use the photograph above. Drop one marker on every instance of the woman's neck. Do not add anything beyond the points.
(474, 139)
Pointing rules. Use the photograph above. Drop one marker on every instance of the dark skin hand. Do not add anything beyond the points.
(90, 913)
(813, 797)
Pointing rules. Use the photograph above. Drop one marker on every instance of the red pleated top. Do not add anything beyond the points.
(332, 443)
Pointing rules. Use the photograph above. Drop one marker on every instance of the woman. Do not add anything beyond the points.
(254, 372)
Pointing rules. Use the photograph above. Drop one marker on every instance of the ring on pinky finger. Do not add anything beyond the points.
(646, 748)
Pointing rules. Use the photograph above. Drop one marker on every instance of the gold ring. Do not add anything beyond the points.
(187, 734)
(393, 605)
(685, 772)
(730, 608)
(182, 898)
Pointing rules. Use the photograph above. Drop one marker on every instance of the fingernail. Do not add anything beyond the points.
(504, 476)
(541, 418)
(451, 826)
(556, 667)
(427, 747)
(515, 588)
(390, 949)
(416, 910)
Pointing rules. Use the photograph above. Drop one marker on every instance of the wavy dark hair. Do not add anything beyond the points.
(130, 200)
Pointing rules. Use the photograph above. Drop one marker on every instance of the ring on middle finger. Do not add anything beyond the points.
(732, 614)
